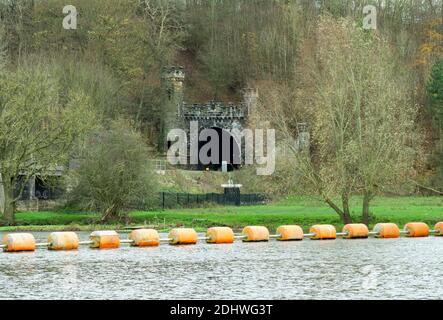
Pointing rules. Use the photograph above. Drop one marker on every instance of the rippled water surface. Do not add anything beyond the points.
(338, 269)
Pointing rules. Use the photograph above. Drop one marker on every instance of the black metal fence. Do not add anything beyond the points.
(183, 200)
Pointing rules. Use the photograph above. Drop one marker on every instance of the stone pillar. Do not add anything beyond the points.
(31, 188)
(250, 97)
(304, 138)
(172, 83)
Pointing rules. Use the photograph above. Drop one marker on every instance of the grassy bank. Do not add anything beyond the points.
(295, 210)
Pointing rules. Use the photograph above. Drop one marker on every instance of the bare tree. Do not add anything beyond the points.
(114, 172)
(358, 102)
(37, 131)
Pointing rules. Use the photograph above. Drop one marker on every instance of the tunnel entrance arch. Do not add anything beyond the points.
(228, 149)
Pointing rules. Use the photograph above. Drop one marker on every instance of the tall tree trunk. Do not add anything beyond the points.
(110, 213)
(346, 212)
(8, 200)
(365, 210)
(336, 209)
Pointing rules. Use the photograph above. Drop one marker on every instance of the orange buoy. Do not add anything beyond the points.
(417, 229)
(183, 236)
(220, 235)
(105, 239)
(387, 230)
(14, 242)
(290, 233)
(355, 231)
(63, 241)
(323, 232)
(439, 228)
(144, 238)
(255, 234)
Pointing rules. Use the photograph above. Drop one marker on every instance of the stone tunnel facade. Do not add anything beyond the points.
(213, 114)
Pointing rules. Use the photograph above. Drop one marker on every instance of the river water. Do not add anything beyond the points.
(404, 268)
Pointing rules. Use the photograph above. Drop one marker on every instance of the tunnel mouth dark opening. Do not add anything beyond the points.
(232, 157)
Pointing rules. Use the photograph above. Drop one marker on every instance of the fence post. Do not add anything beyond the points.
(163, 200)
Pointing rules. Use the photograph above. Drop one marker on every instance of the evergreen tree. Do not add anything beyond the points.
(435, 93)
(435, 96)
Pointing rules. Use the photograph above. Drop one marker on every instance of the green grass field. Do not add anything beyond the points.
(294, 210)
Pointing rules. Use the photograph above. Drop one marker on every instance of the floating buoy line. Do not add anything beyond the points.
(15, 242)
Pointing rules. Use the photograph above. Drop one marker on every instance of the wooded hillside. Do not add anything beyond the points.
(117, 52)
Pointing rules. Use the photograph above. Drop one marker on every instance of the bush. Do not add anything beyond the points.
(114, 173)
